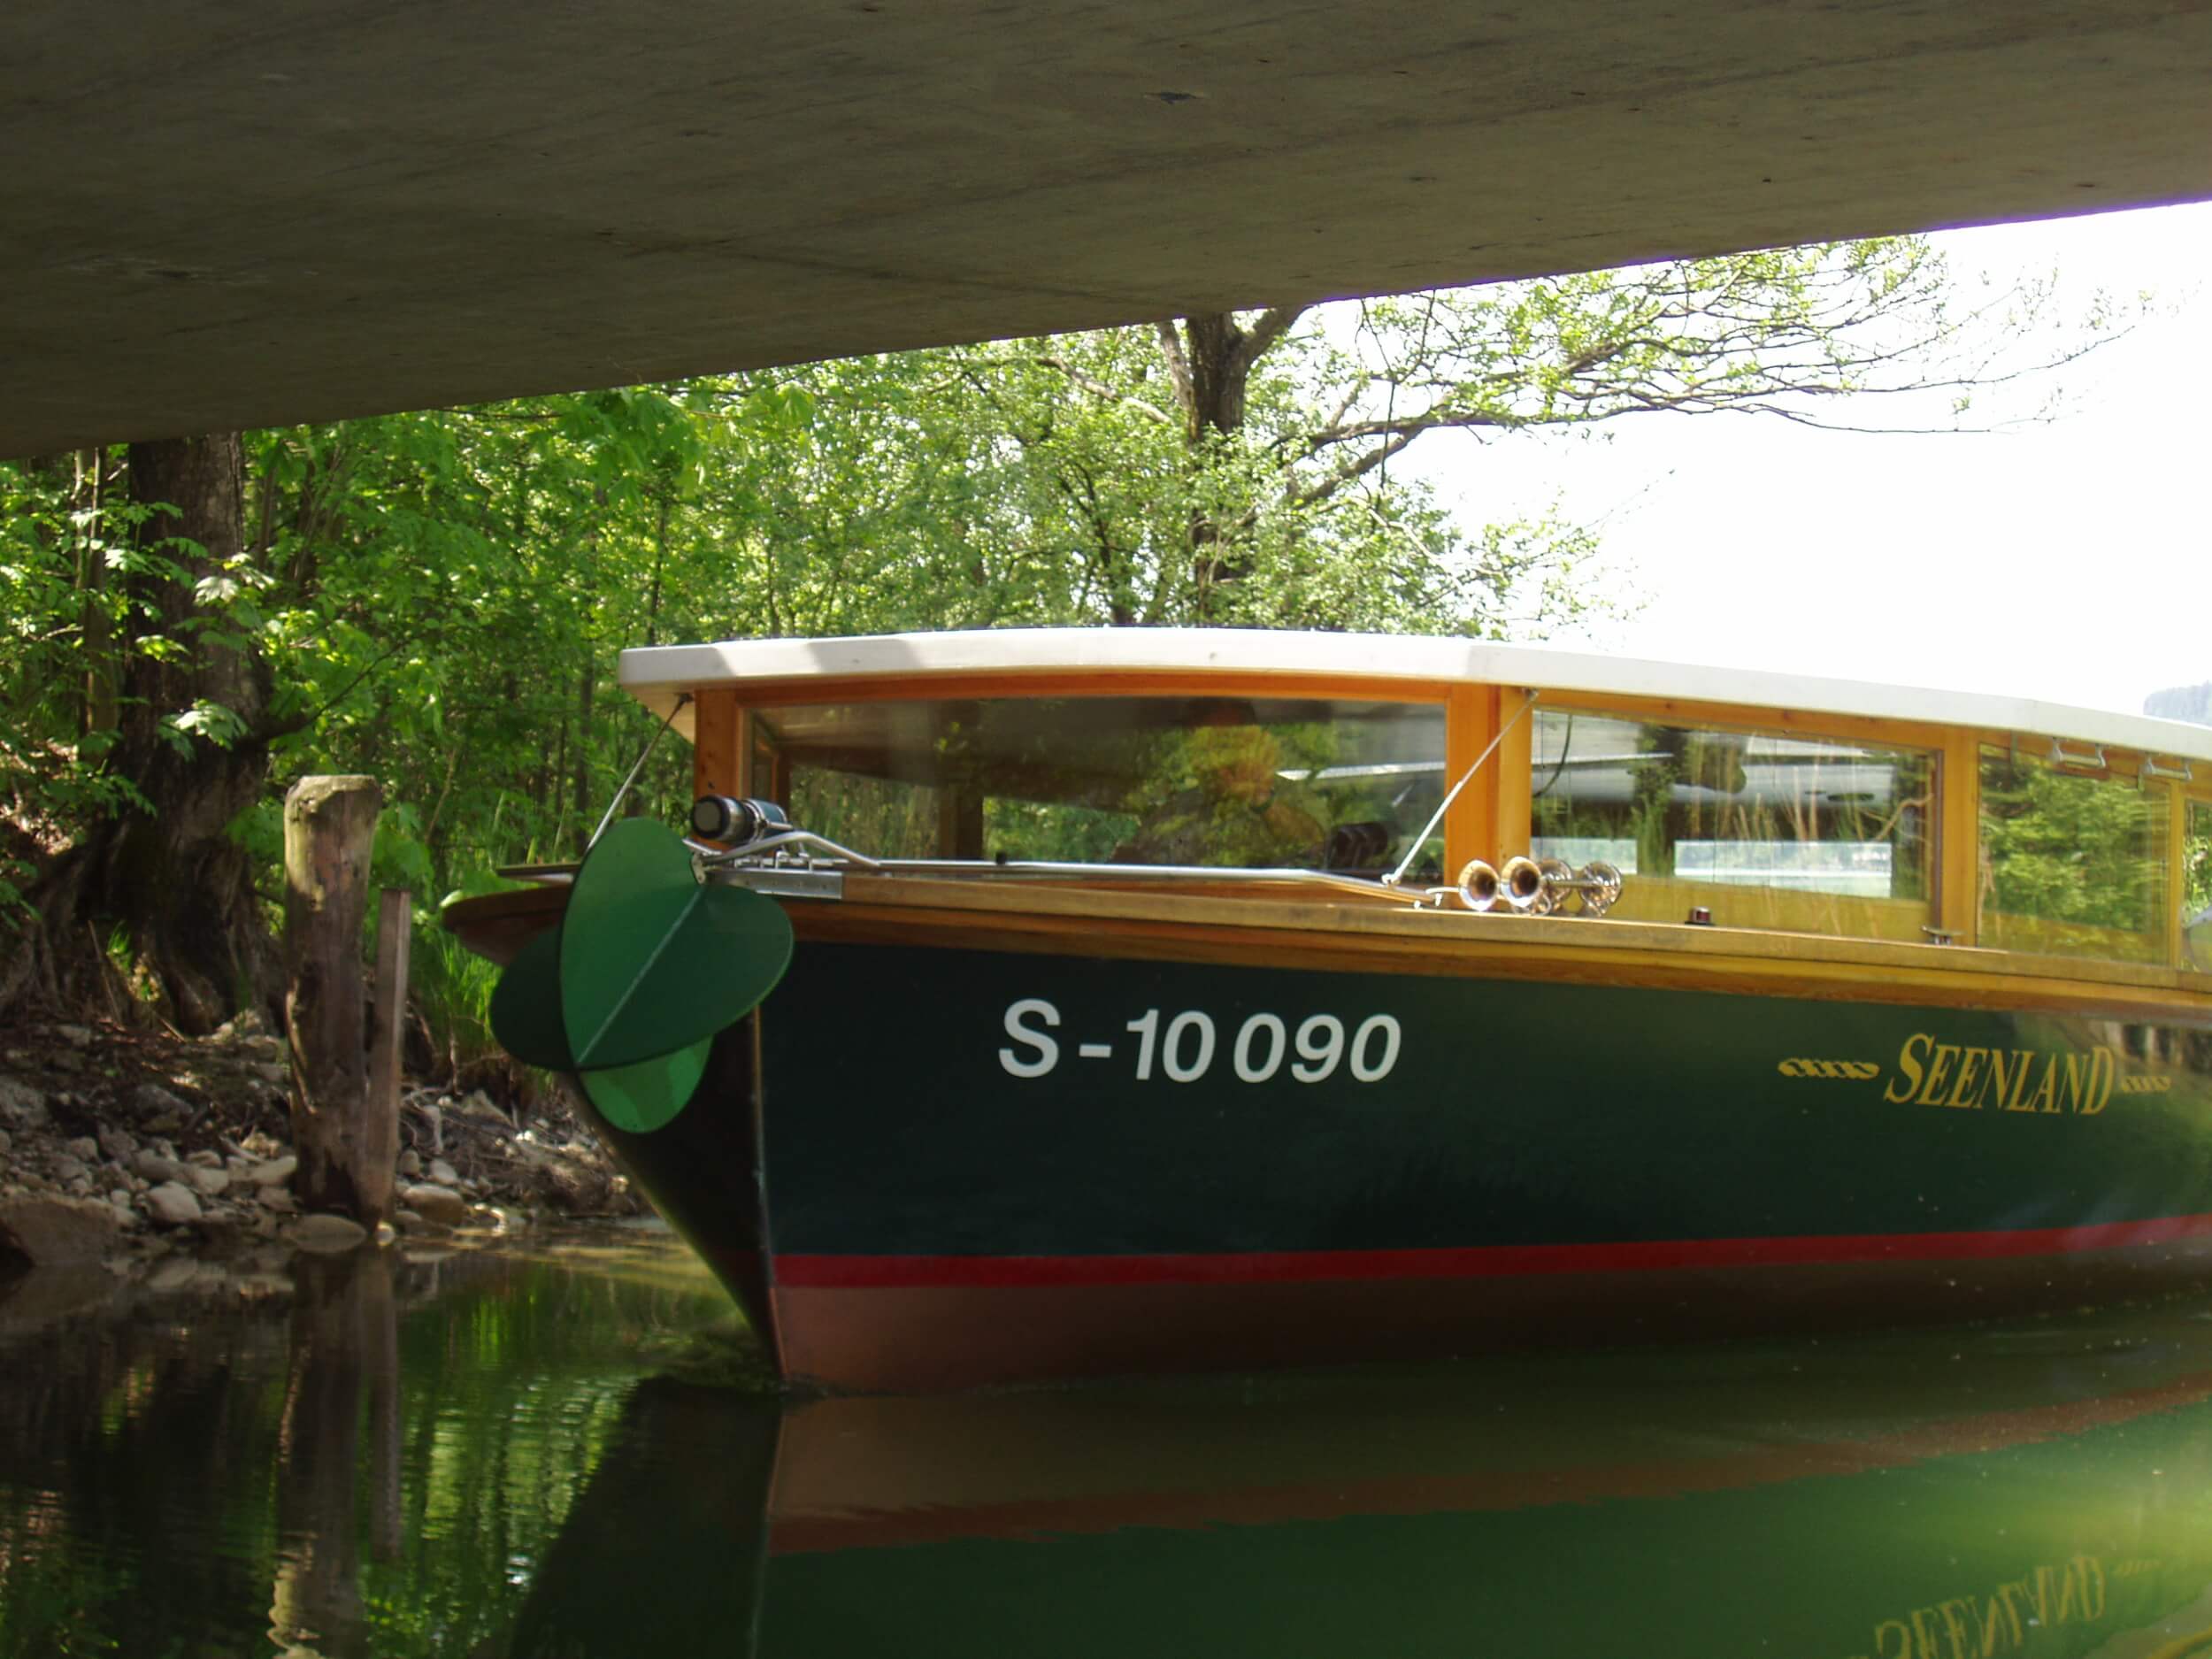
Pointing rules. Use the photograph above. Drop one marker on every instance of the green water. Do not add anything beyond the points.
(553, 1449)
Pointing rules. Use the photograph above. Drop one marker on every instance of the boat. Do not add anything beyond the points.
(1170, 999)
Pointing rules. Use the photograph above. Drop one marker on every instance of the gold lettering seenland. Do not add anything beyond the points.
(1959, 1076)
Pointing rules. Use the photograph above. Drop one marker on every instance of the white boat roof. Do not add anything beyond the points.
(655, 674)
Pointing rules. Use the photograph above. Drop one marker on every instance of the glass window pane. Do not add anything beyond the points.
(2073, 862)
(1763, 829)
(1272, 782)
(2196, 887)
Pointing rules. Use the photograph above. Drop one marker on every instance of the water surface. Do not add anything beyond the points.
(561, 1450)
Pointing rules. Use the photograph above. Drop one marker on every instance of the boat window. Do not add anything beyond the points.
(1268, 782)
(1761, 829)
(2196, 887)
(2073, 859)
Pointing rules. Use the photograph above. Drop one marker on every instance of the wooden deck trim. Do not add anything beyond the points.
(1318, 933)
(1458, 934)
(1033, 934)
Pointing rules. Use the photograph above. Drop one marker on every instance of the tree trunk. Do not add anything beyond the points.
(1220, 371)
(1210, 361)
(166, 879)
(100, 712)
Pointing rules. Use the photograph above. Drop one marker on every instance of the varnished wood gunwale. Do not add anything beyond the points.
(1219, 928)
(1267, 931)
(1323, 914)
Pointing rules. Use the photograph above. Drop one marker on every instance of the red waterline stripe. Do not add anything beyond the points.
(854, 1273)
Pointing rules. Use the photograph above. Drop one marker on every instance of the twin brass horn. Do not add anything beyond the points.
(1518, 887)
(1539, 887)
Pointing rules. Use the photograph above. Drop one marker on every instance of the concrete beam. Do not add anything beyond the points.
(216, 213)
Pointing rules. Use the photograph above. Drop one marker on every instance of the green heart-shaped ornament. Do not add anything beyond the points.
(647, 966)
(526, 1019)
(526, 1005)
(651, 959)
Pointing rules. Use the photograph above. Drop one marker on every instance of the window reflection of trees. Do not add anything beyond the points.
(2072, 862)
(2196, 887)
(1214, 781)
(1745, 809)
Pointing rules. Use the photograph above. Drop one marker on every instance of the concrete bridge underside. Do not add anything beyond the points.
(231, 212)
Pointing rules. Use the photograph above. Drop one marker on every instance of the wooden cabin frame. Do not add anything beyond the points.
(1492, 817)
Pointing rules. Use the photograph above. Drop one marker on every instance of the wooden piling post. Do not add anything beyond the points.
(329, 834)
(388, 1036)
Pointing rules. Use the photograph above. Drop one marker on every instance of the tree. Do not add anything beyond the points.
(156, 871)
(1239, 467)
(1289, 418)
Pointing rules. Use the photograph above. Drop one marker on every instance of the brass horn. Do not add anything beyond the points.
(1597, 884)
(1520, 887)
(1523, 883)
(1532, 887)
(1478, 885)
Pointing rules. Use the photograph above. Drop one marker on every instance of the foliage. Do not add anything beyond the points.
(497, 1402)
(56, 559)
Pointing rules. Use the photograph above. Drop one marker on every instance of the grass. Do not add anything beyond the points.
(451, 989)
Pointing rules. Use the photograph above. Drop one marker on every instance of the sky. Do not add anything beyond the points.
(2069, 560)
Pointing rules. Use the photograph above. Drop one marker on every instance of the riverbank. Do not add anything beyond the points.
(123, 1147)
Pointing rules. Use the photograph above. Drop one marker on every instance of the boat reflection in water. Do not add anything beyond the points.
(483, 1453)
(2035, 1489)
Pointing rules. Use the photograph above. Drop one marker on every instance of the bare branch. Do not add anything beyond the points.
(1270, 326)
(1357, 470)
(1107, 393)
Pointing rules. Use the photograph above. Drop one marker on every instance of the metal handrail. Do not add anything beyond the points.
(733, 862)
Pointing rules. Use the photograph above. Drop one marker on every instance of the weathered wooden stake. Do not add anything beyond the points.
(329, 833)
(387, 1035)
